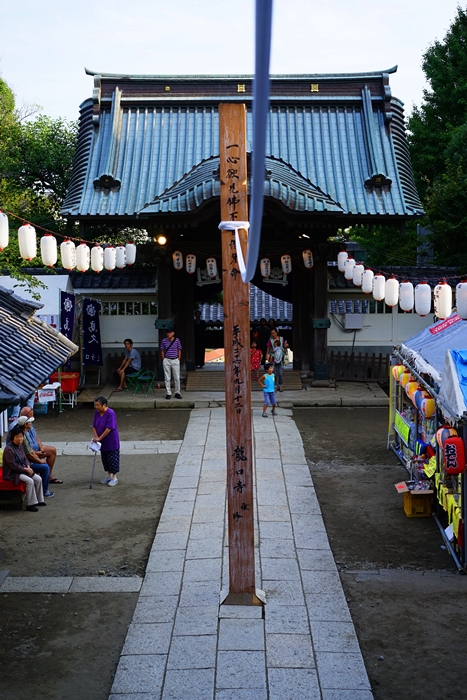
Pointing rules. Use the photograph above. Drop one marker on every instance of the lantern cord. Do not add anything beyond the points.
(263, 23)
(46, 230)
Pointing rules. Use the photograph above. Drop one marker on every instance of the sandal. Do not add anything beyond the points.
(118, 389)
(55, 481)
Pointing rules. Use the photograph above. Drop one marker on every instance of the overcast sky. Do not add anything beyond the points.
(44, 46)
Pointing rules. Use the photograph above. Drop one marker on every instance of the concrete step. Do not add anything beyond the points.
(215, 381)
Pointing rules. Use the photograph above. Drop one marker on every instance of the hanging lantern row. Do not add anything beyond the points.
(392, 292)
(80, 257)
(265, 263)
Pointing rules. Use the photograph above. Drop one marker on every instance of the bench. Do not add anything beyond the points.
(12, 489)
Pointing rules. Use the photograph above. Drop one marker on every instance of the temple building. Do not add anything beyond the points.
(148, 158)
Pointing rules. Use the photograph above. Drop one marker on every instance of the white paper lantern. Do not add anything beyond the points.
(442, 299)
(286, 262)
(265, 267)
(308, 259)
(379, 287)
(83, 257)
(110, 258)
(461, 299)
(341, 258)
(130, 253)
(190, 263)
(367, 281)
(177, 258)
(68, 254)
(423, 299)
(406, 296)
(49, 253)
(97, 258)
(27, 242)
(358, 274)
(391, 296)
(348, 268)
(4, 232)
(120, 256)
(211, 267)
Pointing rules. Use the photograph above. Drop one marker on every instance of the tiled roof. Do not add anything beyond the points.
(138, 144)
(262, 305)
(128, 278)
(30, 350)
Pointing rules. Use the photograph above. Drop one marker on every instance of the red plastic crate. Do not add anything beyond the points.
(69, 380)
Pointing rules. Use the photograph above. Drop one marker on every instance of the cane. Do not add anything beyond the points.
(95, 447)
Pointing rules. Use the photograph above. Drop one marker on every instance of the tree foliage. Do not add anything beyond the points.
(35, 168)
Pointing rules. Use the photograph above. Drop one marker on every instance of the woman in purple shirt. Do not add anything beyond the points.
(105, 431)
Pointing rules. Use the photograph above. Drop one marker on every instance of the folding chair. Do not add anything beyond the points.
(131, 379)
(145, 378)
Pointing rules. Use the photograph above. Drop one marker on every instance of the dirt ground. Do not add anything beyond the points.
(407, 601)
(60, 646)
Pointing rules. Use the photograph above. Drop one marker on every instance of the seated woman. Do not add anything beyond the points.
(17, 468)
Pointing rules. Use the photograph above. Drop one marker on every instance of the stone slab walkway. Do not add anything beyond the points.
(183, 644)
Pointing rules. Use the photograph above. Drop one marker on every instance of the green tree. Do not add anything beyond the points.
(444, 108)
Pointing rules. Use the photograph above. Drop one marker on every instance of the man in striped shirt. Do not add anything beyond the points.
(171, 352)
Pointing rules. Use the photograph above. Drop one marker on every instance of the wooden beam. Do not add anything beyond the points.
(239, 440)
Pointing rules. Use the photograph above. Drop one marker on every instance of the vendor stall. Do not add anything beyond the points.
(428, 427)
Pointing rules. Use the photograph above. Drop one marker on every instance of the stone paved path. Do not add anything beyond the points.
(182, 644)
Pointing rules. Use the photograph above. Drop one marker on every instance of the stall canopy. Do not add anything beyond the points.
(440, 351)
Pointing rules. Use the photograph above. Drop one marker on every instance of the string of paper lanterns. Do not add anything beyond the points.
(80, 257)
(393, 292)
(264, 264)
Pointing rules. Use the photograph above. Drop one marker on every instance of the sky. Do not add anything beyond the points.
(44, 46)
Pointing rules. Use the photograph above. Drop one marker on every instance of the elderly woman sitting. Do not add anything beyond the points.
(17, 468)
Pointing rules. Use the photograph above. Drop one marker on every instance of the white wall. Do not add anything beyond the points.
(388, 329)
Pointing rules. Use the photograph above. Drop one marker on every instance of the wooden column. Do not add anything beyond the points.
(239, 441)
(320, 315)
(183, 302)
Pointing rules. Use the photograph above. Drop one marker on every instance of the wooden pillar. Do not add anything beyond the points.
(303, 281)
(239, 441)
(183, 300)
(164, 296)
(320, 320)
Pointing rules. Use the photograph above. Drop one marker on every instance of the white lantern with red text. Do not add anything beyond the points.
(49, 253)
(308, 259)
(265, 267)
(286, 262)
(130, 253)
(341, 258)
(379, 287)
(68, 254)
(357, 276)
(423, 299)
(177, 259)
(4, 231)
(367, 281)
(97, 258)
(348, 268)
(120, 256)
(391, 296)
(110, 258)
(461, 299)
(442, 299)
(406, 296)
(211, 267)
(27, 242)
(83, 257)
(190, 263)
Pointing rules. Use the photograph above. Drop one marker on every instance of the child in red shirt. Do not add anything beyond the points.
(255, 360)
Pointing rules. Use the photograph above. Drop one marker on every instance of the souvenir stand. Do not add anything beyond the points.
(428, 428)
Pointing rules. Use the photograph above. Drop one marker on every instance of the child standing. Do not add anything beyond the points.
(267, 382)
(278, 358)
(255, 359)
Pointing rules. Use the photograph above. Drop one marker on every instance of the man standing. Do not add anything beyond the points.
(171, 352)
(130, 364)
